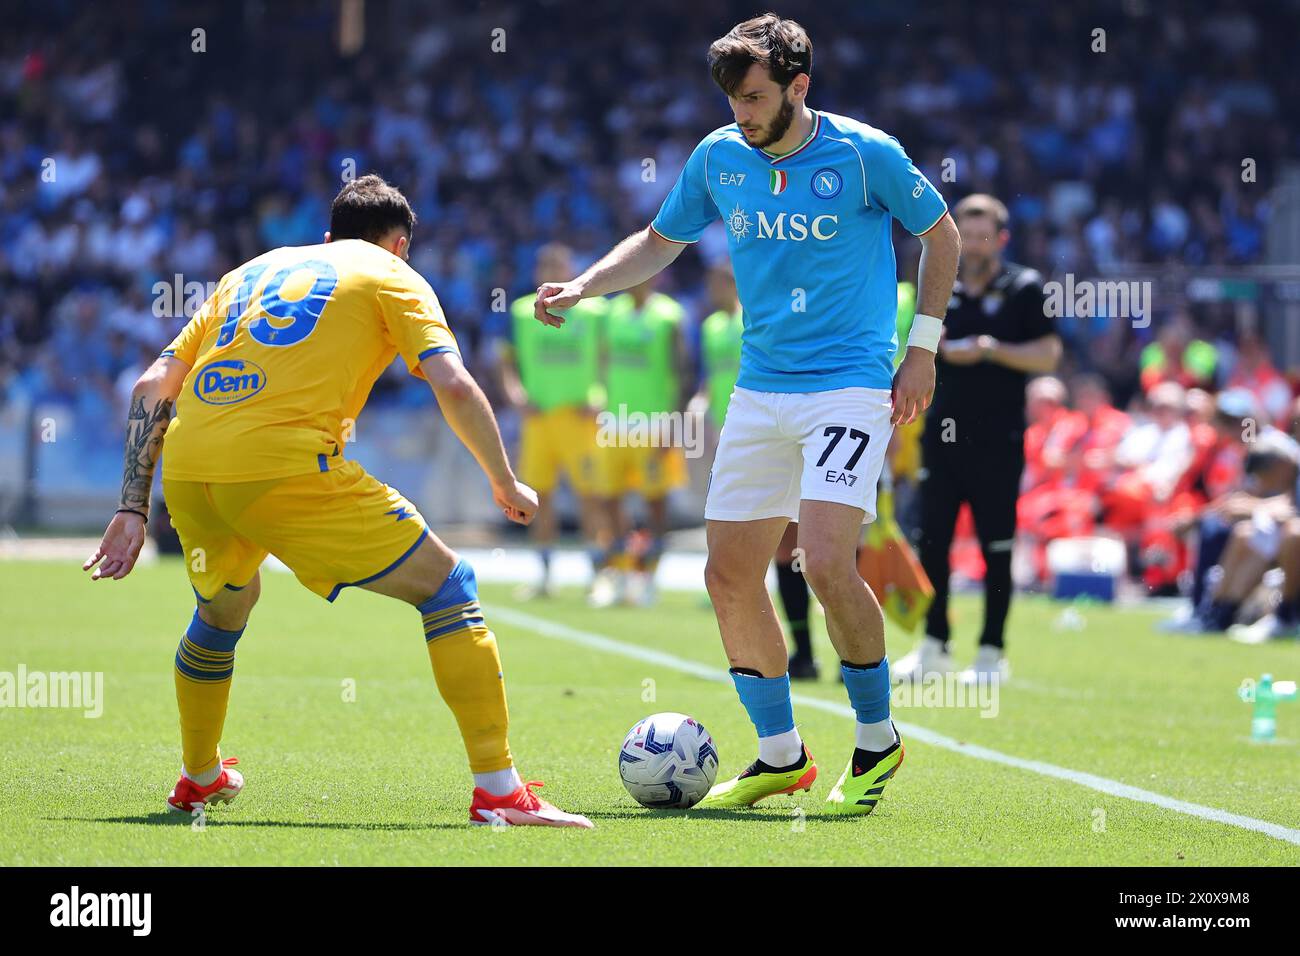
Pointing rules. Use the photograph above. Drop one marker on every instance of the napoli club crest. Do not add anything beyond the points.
(826, 184)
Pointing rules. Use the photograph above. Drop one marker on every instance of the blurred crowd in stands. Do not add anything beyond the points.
(1202, 488)
(146, 141)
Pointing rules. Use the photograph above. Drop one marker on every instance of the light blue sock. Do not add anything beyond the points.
(869, 689)
(767, 701)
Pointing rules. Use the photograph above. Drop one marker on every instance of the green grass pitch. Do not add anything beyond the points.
(382, 779)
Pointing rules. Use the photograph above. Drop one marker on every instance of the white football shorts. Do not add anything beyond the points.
(778, 448)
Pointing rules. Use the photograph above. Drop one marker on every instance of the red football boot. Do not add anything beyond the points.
(522, 808)
(187, 796)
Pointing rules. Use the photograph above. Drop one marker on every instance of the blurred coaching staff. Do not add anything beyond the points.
(996, 335)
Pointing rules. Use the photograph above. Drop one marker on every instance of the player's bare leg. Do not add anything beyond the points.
(1243, 568)
(828, 537)
(610, 585)
(589, 526)
(1284, 621)
(600, 536)
(735, 576)
(205, 663)
(828, 534)
(647, 559)
(468, 671)
(412, 580)
(595, 537)
(789, 541)
(230, 609)
(739, 552)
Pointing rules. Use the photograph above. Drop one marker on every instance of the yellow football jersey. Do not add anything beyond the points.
(283, 356)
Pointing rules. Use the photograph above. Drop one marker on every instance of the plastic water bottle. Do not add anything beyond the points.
(1265, 696)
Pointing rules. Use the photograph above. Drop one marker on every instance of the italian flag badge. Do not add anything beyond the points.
(779, 179)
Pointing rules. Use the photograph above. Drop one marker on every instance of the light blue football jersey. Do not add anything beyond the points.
(809, 235)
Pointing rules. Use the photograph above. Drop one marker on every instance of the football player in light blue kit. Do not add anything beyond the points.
(807, 199)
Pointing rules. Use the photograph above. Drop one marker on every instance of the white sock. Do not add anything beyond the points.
(499, 783)
(781, 750)
(875, 737)
(205, 779)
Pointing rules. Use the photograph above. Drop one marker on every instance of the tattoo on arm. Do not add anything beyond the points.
(144, 436)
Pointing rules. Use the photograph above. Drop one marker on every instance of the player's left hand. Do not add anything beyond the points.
(119, 548)
(913, 386)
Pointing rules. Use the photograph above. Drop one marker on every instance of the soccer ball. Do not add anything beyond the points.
(668, 760)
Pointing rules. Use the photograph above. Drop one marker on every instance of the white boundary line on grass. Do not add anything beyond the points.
(1114, 788)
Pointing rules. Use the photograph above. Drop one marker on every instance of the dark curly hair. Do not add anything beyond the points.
(369, 208)
(779, 44)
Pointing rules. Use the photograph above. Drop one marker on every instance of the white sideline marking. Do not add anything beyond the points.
(1114, 788)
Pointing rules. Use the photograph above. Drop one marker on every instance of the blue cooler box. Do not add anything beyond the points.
(1073, 584)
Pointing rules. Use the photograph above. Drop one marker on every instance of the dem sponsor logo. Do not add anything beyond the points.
(229, 381)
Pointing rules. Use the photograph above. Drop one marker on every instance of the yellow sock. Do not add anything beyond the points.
(468, 672)
(467, 668)
(205, 665)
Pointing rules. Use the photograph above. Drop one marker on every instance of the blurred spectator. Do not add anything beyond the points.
(1176, 356)
(1093, 457)
(1254, 372)
(1247, 527)
(1152, 458)
(1070, 461)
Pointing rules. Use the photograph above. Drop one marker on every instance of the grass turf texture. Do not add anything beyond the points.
(383, 780)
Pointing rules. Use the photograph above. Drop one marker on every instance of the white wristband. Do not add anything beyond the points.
(925, 333)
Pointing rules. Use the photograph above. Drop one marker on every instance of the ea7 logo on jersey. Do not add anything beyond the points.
(731, 179)
(841, 478)
(229, 381)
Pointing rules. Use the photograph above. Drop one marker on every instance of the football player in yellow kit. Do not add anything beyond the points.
(252, 404)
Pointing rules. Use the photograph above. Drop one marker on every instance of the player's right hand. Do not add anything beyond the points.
(119, 548)
(516, 500)
(555, 295)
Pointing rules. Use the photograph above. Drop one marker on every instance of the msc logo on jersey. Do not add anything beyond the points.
(229, 381)
(826, 184)
(794, 226)
(739, 223)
